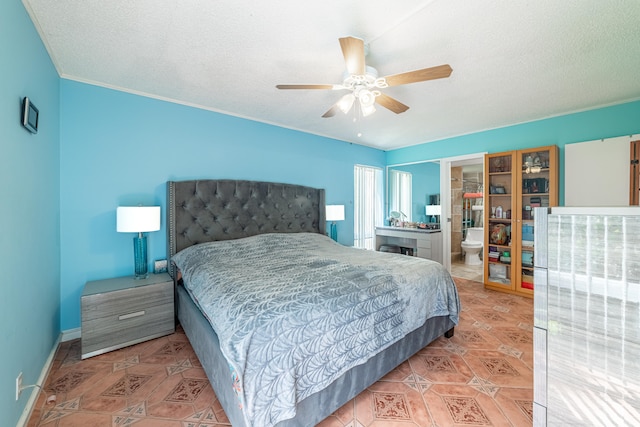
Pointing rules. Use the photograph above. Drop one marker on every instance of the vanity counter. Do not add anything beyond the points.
(424, 243)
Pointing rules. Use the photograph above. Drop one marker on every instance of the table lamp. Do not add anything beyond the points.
(138, 219)
(433, 211)
(335, 213)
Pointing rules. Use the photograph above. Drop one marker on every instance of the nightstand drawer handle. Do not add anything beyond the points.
(131, 315)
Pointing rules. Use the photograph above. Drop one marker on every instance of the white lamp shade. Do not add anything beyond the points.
(432, 210)
(335, 212)
(137, 219)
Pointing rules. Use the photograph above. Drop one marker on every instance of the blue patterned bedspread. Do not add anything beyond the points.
(294, 311)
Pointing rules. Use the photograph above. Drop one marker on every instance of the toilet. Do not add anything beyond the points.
(472, 245)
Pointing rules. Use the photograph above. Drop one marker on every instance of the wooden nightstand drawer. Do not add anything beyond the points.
(123, 311)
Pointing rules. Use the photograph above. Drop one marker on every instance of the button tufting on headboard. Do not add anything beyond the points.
(204, 210)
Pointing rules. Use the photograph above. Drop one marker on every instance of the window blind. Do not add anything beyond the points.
(368, 200)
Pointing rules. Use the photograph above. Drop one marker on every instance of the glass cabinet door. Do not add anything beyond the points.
(500, 186)
(538, 179)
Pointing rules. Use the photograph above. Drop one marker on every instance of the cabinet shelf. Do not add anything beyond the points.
(505, 247)
(542, 170)
(508, 264)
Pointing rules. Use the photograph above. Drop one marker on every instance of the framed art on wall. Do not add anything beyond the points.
(29, 115)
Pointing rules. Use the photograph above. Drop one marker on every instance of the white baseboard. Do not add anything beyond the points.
(70, 334)
(24, 418)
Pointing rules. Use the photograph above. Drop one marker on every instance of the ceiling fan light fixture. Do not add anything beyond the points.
(380, 82)
(362, 82)
(366, 97)
(346, 102)
(367, 110)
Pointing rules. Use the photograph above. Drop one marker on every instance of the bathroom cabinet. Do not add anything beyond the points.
(515, 183)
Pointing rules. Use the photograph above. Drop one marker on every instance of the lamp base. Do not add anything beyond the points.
(140, 257)
(334, 231)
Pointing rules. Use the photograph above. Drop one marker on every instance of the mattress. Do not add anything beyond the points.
(294, 312)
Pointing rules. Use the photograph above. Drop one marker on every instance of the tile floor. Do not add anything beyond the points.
(469, 272)
(480, 377)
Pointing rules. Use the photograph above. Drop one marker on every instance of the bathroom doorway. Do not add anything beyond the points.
(462, 187)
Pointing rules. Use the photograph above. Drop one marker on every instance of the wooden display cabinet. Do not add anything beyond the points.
(515, 183)
(500, 205)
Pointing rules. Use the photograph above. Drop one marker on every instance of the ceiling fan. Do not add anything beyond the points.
(363, 82)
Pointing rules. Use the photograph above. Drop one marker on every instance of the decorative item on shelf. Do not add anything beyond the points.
(497, 165)
(535, 185)
(535, 202)
(499, 212)
(395, 218)
(498, 273)
(527, 258)
(335, 213)
(494, 254)
(527, 279)
(433, 211)
(532, 165)
(138, 219)
(499, 234)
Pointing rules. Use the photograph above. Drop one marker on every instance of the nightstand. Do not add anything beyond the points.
(123, 311)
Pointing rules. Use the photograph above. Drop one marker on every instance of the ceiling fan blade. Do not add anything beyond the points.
(390, 103)
(327, 87)
(353, 51)
(439, 72)
(331, 111)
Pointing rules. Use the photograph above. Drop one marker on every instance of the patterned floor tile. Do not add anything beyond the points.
(127, 385)
(172, 348)
(390, 406)
(465, 410)
(126, 363)
(390, 403)
(180, 366)
(69, 381)
(187, 390)
(480, 377)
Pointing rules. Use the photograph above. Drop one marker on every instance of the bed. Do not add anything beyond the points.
(219, 232)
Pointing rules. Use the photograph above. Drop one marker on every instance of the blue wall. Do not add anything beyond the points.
(30, 191)
(120, 149)
(618, 120)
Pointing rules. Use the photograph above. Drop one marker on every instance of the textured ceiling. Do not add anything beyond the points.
(513, 61)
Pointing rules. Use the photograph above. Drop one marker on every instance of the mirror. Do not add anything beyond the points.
(425, 182)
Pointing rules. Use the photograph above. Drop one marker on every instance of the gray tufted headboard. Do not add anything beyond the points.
(201, 211)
